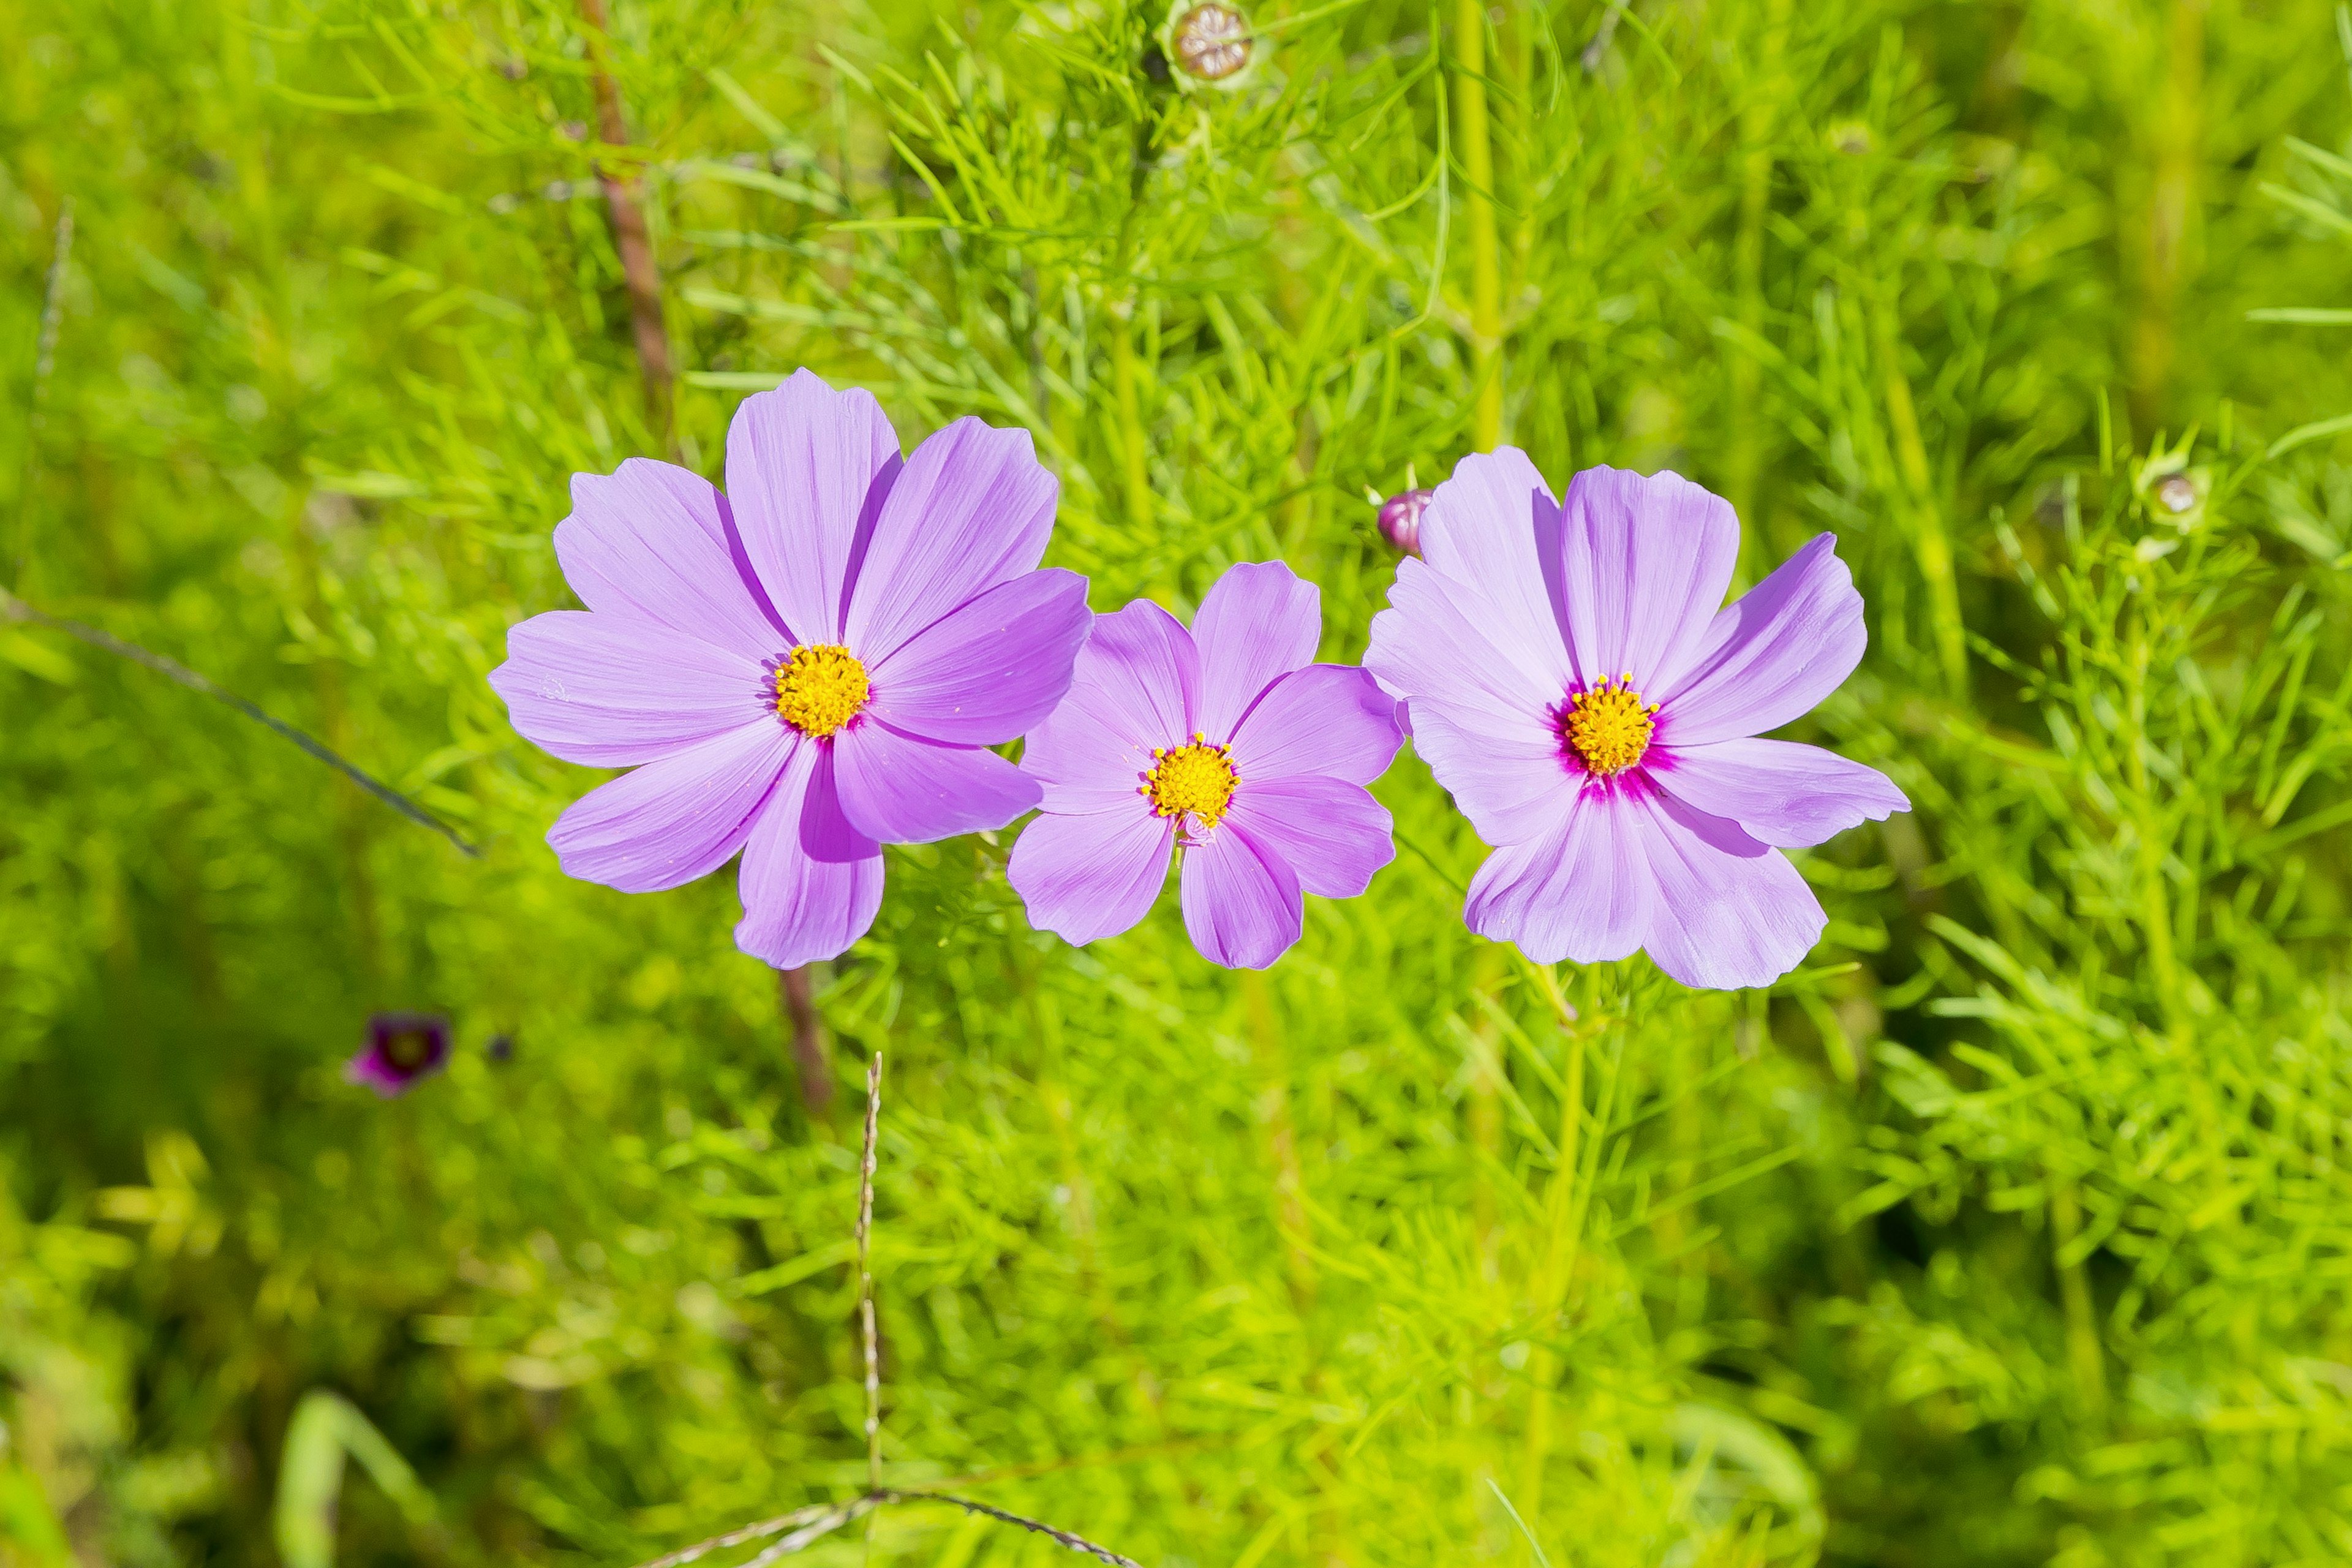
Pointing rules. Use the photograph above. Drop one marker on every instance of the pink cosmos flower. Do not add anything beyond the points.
(402, 1048)
(1571, 678)
(804, 668)
(1226, 741)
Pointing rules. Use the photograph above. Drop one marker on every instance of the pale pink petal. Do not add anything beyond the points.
(1646, 560)
(972, 509)
(902, 789)
(985, 673)
(1333, 835)
(1242, 907)
(1730, 911)
(656, 543)
(808, 470)
(1781, 792)
(1480, 720)
(1769, 656)
(1132, 691)
(1257, 625)
(1512, 790)
(1442, 646)
(1493, 531)
(1328, 719)
(1582, 892)
(614, 689)
(811, 883)
(675, 819)
(1092, 875)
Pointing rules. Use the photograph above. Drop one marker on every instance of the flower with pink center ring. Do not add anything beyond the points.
(804, 668)
(1227, 740)
(1573, 677)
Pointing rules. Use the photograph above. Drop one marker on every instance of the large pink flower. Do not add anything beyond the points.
(804, 668)
(1574, 677)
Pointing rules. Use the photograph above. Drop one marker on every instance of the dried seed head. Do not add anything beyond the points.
(1210, 44)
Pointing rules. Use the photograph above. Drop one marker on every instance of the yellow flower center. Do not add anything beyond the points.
(820, 689)
(1609, 725)
(1195, 781)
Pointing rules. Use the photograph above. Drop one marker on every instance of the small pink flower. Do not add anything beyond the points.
(402, 1048)
(1227, 740)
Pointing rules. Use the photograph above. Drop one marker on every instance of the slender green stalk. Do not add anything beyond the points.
(1486, 258)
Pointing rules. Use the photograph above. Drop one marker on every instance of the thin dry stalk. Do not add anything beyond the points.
(1075, 1542)
(809, 1525)
(45, 359)
(749, 1533)
(631, 238)
(15, 609)
(866, 1278)
(833, 1520)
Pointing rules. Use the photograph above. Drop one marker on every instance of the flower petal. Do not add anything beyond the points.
(654, 542)
(1582, 892)
(1728, 911)
(1092, 875)
(1493, 530)
(612, 690)
(811, 883)
(1242, 907)
(1646, 560)
(1257, 625)
(972, 509)
(1781, 792)
(1328, 719)
(984, 674)
(1770, 656)
(1512, 791)
(902, 789)
(1333, 835)
(808, 470)
(1132, 691)
(1439, 648)
(1480, 720)
(673, 820)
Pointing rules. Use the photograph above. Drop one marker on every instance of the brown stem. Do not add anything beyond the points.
(630, 237)
(808, 1041)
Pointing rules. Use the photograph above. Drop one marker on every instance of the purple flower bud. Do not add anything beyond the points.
(402, 1048)
(1400, 520)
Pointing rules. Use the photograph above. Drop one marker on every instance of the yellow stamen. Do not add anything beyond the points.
(1195, 782)
(1609, 725)
(820, 689)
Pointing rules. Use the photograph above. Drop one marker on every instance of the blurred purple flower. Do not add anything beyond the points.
(1570, 677)
(807, 667)
(1401, 519)
(402, 1048)
(1226, 740)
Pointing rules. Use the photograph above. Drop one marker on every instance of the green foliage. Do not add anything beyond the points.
(2009, 1230)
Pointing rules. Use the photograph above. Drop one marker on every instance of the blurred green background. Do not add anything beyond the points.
(2015, 1229)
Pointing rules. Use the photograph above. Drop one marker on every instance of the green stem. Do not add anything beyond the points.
(1486, 262)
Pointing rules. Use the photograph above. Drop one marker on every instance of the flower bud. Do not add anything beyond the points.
(1400, 520)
